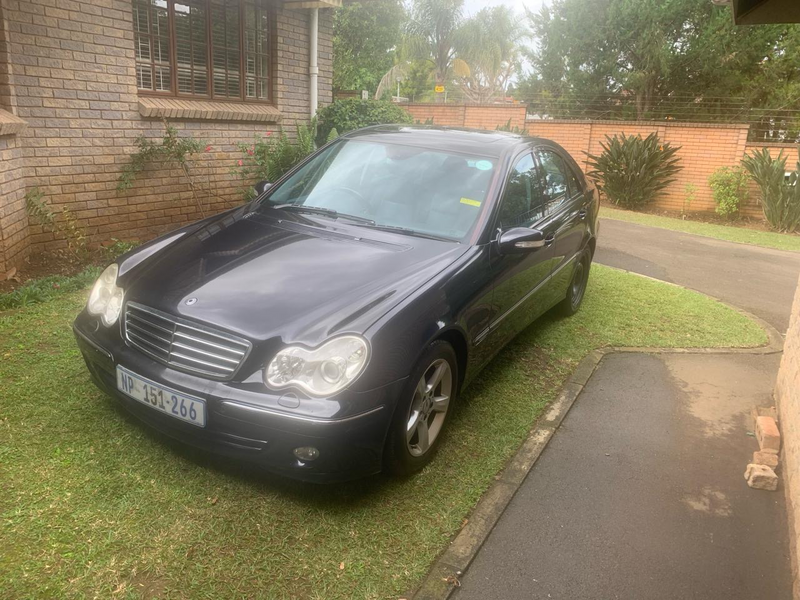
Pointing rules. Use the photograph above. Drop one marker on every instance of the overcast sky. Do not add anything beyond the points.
(473, 6)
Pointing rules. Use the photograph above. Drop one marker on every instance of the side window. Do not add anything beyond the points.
(554, 179)
(574, 183)
(522, 201)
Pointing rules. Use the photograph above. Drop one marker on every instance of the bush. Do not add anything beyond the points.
(631, 170)
(729, 188)
(269, 157)
(780, 194)
(353, 113)
(66, 226)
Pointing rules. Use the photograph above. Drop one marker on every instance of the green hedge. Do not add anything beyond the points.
(353, 113)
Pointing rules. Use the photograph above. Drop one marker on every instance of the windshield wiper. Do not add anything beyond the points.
(412, 232)
(328, 212)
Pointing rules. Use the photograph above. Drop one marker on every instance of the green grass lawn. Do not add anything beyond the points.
(766, 239)
(95, 506)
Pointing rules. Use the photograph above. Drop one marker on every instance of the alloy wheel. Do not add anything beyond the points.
(429, 407)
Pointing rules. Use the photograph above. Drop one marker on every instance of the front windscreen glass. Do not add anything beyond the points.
(419, 190)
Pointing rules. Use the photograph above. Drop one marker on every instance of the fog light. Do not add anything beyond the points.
(306, 453)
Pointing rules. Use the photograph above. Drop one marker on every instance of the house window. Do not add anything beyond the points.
(211, 49)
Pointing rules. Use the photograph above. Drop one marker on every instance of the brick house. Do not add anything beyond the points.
(80, 80)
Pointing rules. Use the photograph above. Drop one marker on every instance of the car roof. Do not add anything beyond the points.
(494, 144)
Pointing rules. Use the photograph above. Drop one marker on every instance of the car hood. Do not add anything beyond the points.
(295, 278)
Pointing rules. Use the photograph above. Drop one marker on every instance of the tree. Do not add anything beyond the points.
(480, 54)
(431, 33)
(644, 58)
(366, 36)
(487, 50)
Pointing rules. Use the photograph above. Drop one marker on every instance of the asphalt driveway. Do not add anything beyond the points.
(759, 280)
(640, 493)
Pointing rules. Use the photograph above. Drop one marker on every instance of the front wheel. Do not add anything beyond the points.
(577, 286)
(423, 410)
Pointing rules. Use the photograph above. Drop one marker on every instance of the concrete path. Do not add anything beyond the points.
(759, 280)
(640, 493)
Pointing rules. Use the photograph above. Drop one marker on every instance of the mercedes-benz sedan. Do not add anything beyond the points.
(326, 329)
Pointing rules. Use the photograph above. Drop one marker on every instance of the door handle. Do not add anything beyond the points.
(582, 213)
(551, 237)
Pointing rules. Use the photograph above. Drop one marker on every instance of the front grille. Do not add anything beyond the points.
(184, 345)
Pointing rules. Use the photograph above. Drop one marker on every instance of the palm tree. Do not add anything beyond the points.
(487, 47)
(480, 53)
(430, 35)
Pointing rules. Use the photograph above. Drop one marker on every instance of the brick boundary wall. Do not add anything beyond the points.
(704, 148)
(474, 116)
(67, 68)
(787, 396)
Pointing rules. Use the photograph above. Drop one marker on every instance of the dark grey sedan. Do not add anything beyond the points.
(326, 329)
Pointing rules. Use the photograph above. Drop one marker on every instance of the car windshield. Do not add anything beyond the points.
(417, 190)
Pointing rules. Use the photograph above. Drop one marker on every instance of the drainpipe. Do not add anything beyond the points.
(313, 65)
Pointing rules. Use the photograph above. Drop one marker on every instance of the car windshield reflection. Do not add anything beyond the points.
(400, 188)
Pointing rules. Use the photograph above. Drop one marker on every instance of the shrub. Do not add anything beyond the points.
(116, 248)
(509, 128)
(171, 149)
(631, 170)
(689, 198)
(780, 194)
(353, 113)
(270, 156)
(66, 225)
(729, 188)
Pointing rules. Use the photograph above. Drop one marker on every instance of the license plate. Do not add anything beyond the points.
(163, 399)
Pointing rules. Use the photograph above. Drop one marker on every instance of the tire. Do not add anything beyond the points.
(422, 414)
(577, 285)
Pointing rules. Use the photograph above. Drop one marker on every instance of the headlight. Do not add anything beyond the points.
(105, 301)
(320, 372)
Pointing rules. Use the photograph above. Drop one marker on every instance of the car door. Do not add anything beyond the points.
(565, 203)
(519, 279)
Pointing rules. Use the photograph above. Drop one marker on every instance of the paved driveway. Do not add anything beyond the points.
(759, 280)
(640, 494)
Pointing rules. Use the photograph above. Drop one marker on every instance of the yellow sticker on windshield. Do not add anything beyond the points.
(470, 202)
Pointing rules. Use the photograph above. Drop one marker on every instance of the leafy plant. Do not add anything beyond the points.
(729, 188)
(353, 113)
(270, 156)
(691, 195)
(118, 247)
(171, 149)
(780, 193)
(509, 128)
(65, 225)
(632, 170)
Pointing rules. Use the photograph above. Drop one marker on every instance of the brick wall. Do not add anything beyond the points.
(704, 148)
(787, 395)
(14, 240)
(74, 83)
(476, 116)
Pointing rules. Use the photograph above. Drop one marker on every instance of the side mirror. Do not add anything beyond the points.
(261, 187)
(520, 240)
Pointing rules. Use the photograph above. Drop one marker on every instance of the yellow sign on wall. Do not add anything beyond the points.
(439, 89)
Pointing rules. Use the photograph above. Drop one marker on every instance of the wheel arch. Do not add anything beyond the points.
(456, 338)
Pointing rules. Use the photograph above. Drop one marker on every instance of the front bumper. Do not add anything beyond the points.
(350, 445)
